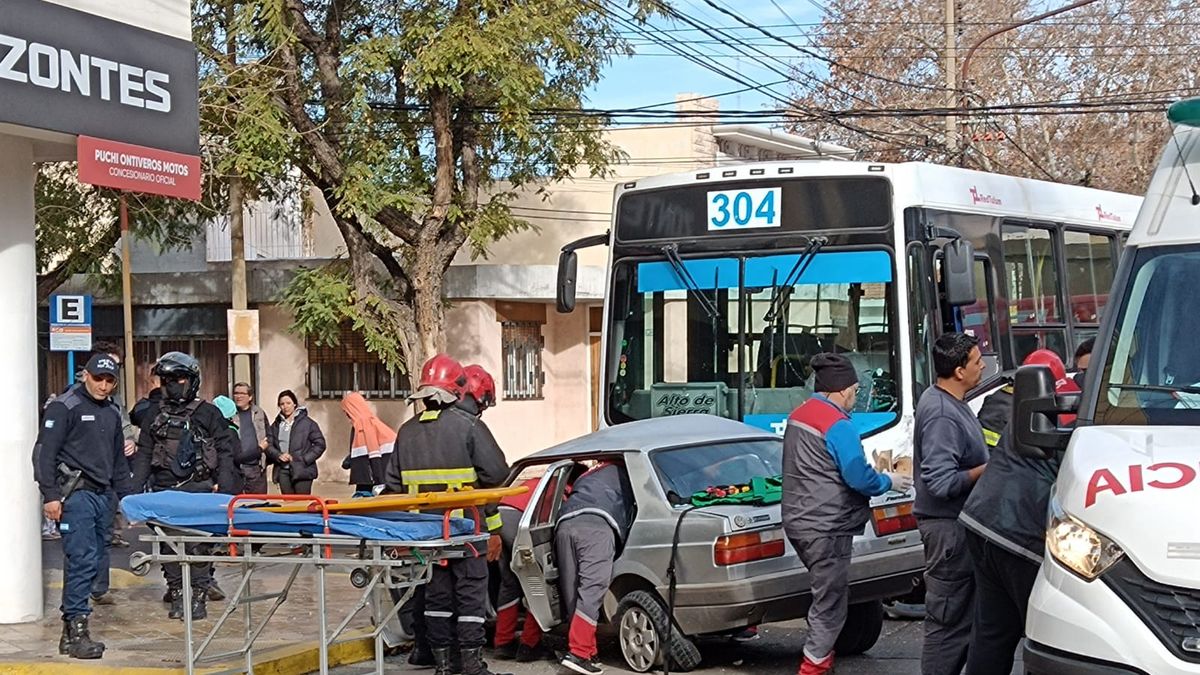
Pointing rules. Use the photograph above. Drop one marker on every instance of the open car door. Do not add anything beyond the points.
(533, 558)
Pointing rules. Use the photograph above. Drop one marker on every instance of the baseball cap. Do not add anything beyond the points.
(102, 364)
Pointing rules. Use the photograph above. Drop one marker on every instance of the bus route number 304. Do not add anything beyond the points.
(743, 209)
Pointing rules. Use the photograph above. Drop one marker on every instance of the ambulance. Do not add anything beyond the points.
(1119, 588)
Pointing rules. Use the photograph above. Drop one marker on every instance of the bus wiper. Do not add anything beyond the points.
(1167, 388)
(671, 251)
(789, 282)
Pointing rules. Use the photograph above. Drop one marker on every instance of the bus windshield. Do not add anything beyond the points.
(1152, 374)
(729, 336)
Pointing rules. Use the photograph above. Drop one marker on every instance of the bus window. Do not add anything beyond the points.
(674, 335)
(1032, 276)
(1054, 339)
(1089, 274)
(977, 319)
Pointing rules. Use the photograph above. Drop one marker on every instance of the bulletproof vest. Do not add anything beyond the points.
(179, 446)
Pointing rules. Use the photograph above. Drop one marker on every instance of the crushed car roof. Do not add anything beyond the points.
(652, 434)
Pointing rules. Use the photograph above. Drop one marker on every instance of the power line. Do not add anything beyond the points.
(819, 57)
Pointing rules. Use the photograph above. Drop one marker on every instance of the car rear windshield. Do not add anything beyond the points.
(685, 471)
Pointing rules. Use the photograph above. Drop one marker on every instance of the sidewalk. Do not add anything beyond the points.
(140, 639)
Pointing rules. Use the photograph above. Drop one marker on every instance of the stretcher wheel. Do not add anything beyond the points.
(359, 577)
(139, 563)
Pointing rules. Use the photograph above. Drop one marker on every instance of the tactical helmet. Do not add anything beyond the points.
(481, 386)
(174, 366)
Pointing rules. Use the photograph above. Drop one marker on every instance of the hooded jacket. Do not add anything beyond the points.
(306, 444)
(371, 441)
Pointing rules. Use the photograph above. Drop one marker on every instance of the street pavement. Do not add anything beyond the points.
(776, 652)
(138, 633)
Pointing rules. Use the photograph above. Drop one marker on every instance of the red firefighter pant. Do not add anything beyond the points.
(508, 599)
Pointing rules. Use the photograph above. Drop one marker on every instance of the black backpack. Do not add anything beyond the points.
(181, 447)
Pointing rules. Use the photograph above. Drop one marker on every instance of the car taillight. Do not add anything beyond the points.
(893, 519)
(733, 549)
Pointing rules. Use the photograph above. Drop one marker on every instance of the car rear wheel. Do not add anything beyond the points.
(642, 624)
(864, 623)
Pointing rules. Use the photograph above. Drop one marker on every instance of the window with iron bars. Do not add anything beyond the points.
(334, 370)
(522, 344)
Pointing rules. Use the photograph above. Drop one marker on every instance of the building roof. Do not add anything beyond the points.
(791, 146)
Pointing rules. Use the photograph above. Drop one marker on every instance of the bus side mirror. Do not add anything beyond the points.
(958, 257)
(568, 267)
(1035, 413)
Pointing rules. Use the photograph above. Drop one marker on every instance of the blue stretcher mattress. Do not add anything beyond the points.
(209, 513)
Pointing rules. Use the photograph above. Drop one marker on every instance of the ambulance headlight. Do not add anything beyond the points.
(1078, 547)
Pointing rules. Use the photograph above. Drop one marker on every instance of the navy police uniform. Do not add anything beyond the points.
(85, 435)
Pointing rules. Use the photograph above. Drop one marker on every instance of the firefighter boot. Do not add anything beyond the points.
(473, 664)
(441, 661)
(176, 611)
(810, 667)
(199, 604)
(78, 640)
(420, 655)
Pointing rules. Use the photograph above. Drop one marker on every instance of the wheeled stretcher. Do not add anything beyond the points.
(389, 553)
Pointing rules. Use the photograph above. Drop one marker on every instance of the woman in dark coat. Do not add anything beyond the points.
(296, 442)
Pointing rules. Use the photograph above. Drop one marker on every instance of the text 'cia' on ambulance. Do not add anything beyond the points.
(1119, 587)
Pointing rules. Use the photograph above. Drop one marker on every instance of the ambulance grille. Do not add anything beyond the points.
(1172, 613)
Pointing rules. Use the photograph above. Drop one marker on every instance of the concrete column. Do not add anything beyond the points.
(21, 571)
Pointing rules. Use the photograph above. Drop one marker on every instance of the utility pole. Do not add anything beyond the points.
(951, 75)
(127, 308)
(237, 231)
(237, 271)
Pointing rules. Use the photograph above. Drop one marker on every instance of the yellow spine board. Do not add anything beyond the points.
(457, 499)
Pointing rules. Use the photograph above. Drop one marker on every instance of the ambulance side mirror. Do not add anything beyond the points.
(1035, 413)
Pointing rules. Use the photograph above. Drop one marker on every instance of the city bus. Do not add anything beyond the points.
(723, 283)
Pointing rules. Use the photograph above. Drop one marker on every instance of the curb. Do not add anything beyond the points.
(297, 659)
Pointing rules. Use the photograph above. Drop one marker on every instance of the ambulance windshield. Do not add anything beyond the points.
(1152, 373)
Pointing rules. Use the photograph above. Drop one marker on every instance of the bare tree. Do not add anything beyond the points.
(1078, 98)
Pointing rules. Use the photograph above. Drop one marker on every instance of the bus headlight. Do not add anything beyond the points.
(1078, 547)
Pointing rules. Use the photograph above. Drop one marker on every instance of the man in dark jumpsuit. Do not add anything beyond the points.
(1005, 519)
(186, 446)
(448, 448)
(81, 432)
(590, 533)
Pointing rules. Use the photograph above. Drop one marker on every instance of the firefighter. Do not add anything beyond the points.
(481, 395)
(590, 533)
(447, 448)
(1005, 521)
(997, 407)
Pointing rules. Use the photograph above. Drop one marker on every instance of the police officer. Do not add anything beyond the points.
(79, 461)
(186, 446)
(827, 483)
(589, 535)
(446, 448)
